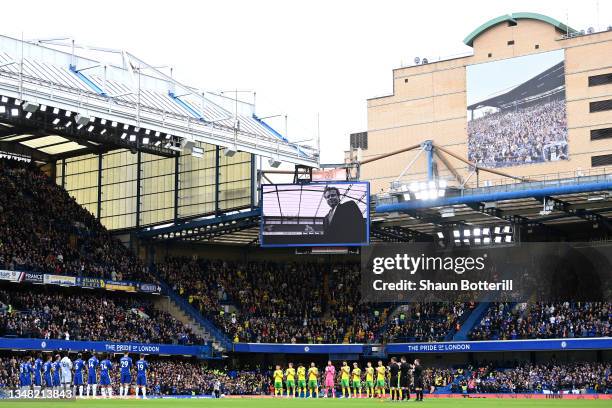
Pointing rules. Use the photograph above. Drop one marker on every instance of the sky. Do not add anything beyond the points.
(305, 59)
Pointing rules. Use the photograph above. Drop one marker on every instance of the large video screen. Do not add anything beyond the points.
(315, 214)
(516, 111)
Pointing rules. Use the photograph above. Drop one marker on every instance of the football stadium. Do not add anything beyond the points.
(163, 244)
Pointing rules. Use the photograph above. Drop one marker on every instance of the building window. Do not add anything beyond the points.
(359, 140)
(490, 55)
(511, 42)
(603, 160)
(605, 133)
(602, 79)
(600, 106)
(512, 23)
(537, 46)
(405, 80)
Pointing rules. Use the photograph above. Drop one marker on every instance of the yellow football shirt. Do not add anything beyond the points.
(381, 372)
(346, 370)
(356, 374)
(369, 373)
(312, 373)
(278, 375)
(301, 372)
(290, 374)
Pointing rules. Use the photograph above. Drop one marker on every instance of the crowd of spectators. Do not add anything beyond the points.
(43, 229)
(49, 314)
(551, 377)
(545, 320)
(519, 136)
(278, 302)
(425, 322)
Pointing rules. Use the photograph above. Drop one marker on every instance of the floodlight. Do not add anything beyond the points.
(440, 235)
(456, 233)
(103, 131)
(2, 109)
(466, 241)
(498, 239)
(4, 99)
(486, 240)
(229, 151)
(114, 124)
(132, 138)
(55, 111)
(56, 121)
(124, 135)
(486, 231)
(274, 163)
(507, 229)
(81, 119)
(30, 107)
(68, 124)
(67, 114)
(14, 112)
(497, 230)
(90, 129)
(28, 115)
(477, 241)
(467, 233)
(43, 108)
(476, 232)
(126, 126)
(145, 140)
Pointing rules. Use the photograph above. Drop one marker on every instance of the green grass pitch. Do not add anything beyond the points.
(301, 403)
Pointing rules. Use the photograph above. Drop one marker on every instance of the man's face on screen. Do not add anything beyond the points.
(332, 197)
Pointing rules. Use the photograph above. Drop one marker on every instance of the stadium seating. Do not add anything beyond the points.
(545, 320)
(70, 315)
(289, 303)
(43, 229)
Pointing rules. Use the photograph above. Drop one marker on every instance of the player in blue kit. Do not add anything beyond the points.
(125, 364)
(79, 367)
(92, 378)
(25, 373)
(105, 380)
(56, 367)
(141, 376)
(47, 369)
(38, 367)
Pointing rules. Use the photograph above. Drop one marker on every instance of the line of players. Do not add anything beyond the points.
(399, 377)
(65, 375)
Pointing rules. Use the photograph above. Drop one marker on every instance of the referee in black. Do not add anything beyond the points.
(404, 379)
(418, 379)
(394, 370)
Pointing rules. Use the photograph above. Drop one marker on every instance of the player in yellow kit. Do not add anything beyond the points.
(369, 380)
(301, 374)
(381, 372)
(278, 382)
(345, 373)
(313, 384)
(356, 381)
(290, 377)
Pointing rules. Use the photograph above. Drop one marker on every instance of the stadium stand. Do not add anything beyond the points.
(47, 313)
(545, 321)
(43, 229)
(279, 303)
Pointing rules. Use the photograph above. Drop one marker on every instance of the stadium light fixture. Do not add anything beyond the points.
(43, 108)
(17, 102)
(497, 230)
(467, 233)
(81, 119)
(68, 124)
(56, 121)
(498, 239)
(126, 126)
(229, 151)
(476, 232)
(197, 152)
(406, 196)
(148, 132)
(30, 107)
(157, 143)
(14, 112)
(90, 128)
(123, 136)
(440, 235)
(157, 134)
(456, 233)
(28, 115)
(114, 124)
(274, 163)
(67, 114)
(486, 240)
(56, 111)
(132, 138)
(103, 121)
(508, 238)
(477, 241)
(486, 231)
(507, 229)
(2, 109)
(457, 241)
(145, 140)
(103, 131)
(466, 241)
(79, 127)
(4, 99)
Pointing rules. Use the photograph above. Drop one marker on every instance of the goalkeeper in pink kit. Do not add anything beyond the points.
(330, 374)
